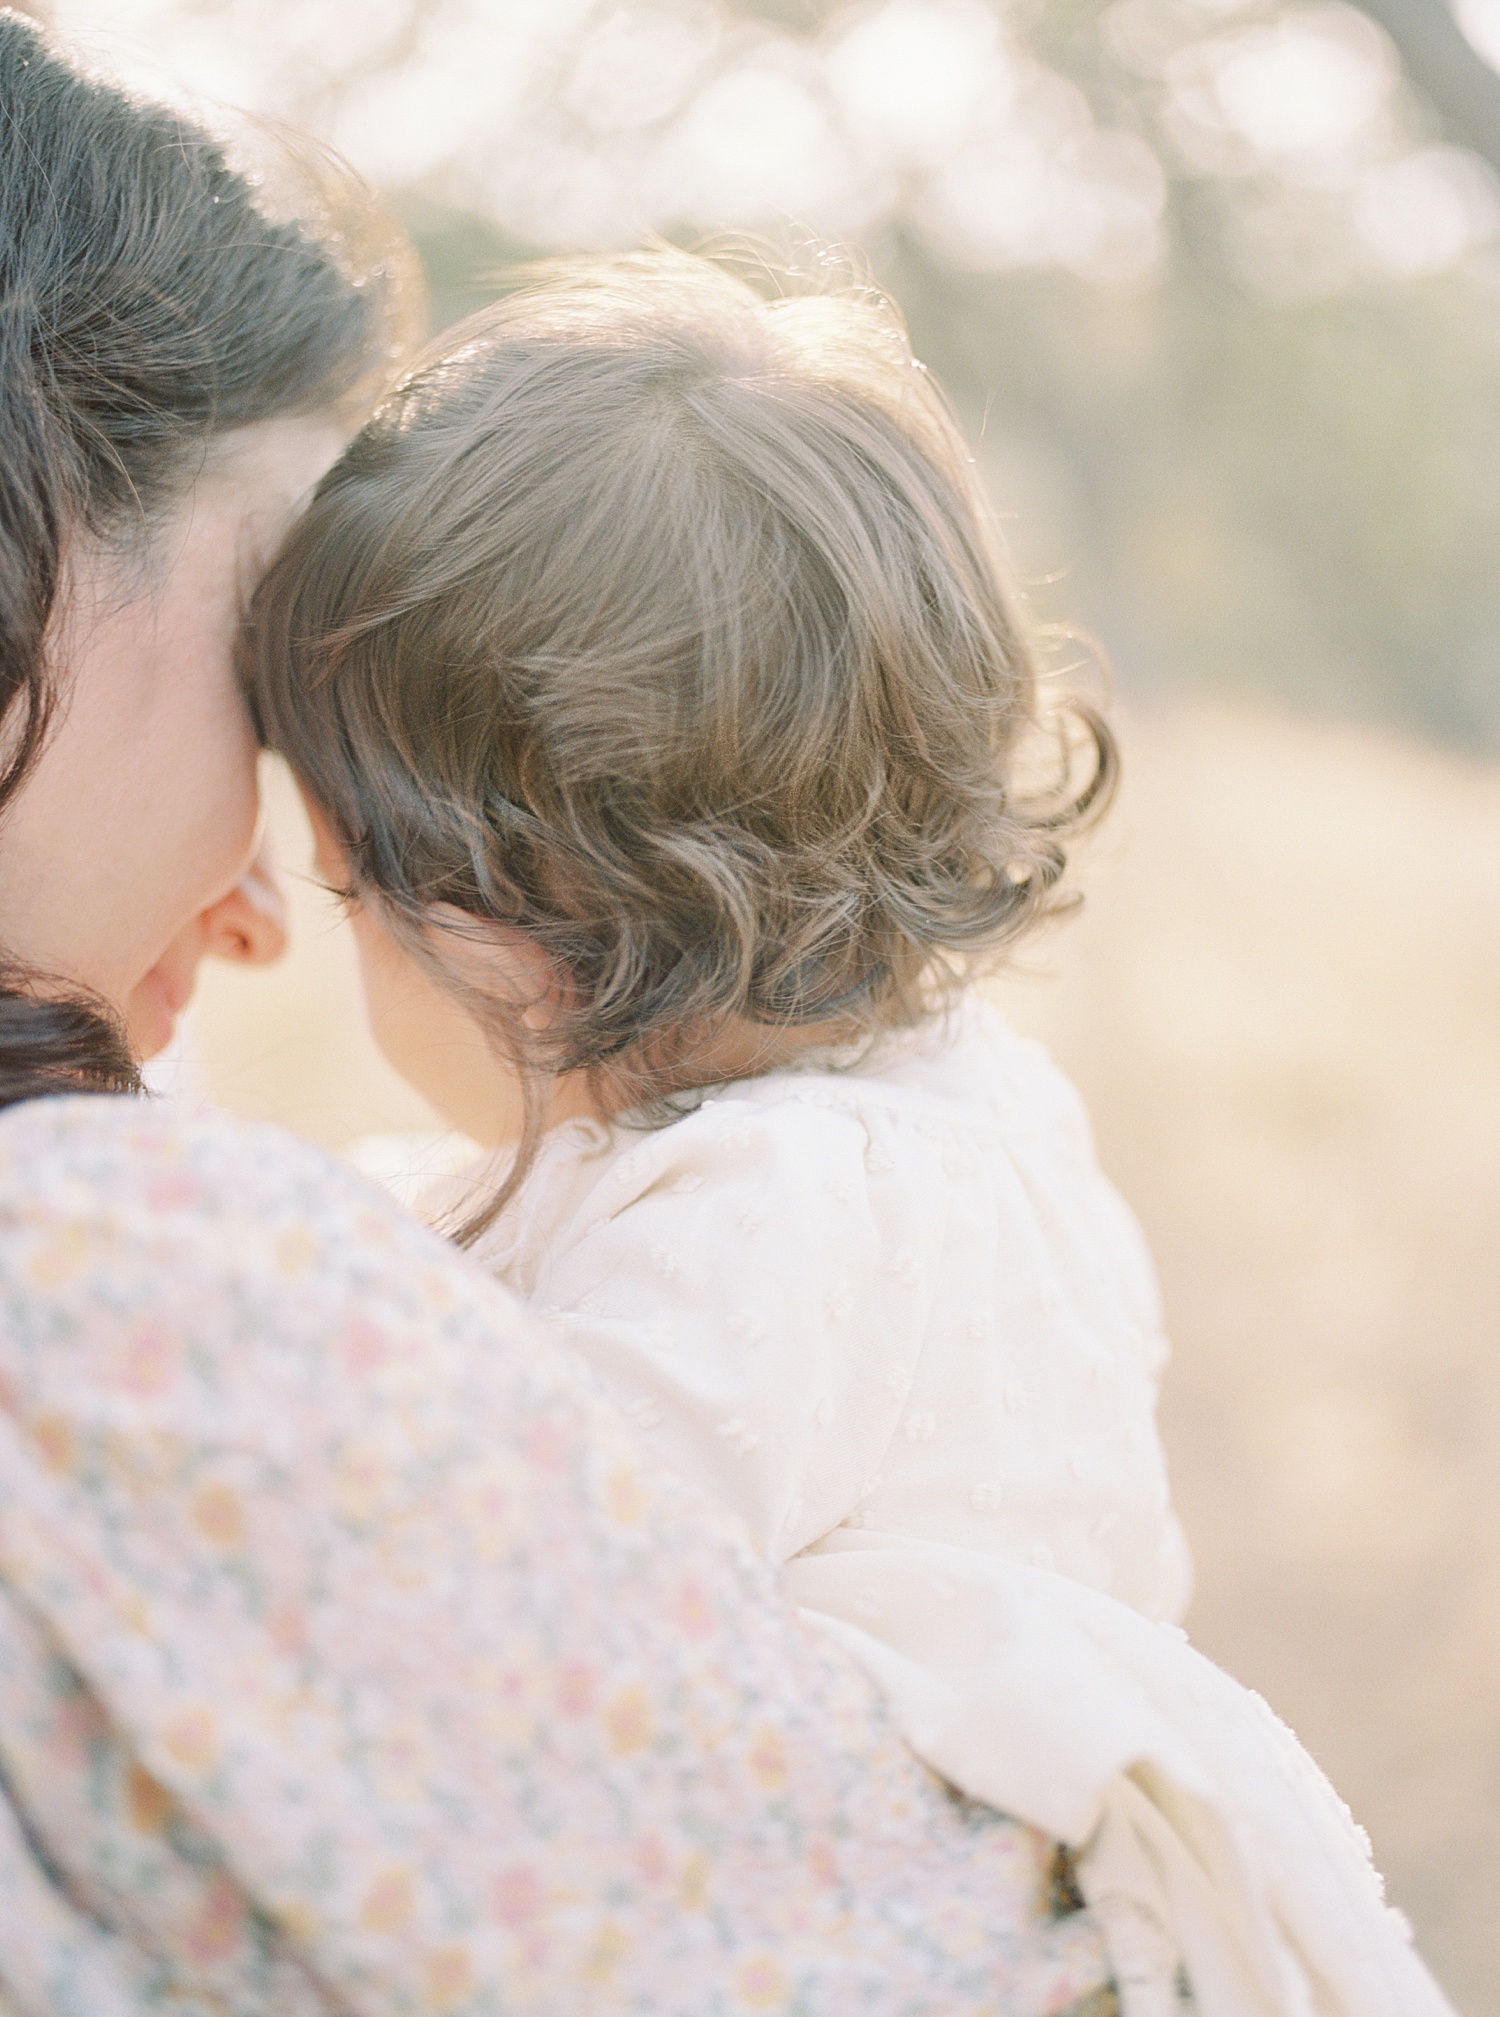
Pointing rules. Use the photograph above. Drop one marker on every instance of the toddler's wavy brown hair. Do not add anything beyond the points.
(669, 625)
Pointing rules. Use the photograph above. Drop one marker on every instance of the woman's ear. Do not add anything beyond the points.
(248, 926)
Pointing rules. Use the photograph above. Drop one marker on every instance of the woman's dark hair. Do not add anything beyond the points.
(147, 304)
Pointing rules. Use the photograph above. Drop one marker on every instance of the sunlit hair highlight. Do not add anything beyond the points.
(668, 625)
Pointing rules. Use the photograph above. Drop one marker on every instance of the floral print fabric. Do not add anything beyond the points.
(354, 1658)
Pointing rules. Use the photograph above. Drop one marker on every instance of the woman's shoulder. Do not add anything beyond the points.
(202, 1196)
(68, 1142)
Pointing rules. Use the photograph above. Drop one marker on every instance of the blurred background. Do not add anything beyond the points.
(1215, 286)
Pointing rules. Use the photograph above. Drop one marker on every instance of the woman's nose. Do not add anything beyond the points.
(249, 925)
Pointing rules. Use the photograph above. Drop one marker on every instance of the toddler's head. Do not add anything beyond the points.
(650, 665)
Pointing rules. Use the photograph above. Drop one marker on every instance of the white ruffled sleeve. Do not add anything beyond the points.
(752, 1285)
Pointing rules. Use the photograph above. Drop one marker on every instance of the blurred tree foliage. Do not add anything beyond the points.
(1295, 498)
(1229, 491)
(1215, 284)
(1292, 491)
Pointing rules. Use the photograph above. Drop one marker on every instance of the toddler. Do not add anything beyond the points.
(665, 715)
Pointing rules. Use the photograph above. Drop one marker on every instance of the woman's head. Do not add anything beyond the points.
(173, 366)
(664, 629)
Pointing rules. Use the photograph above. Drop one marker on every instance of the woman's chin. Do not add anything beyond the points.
(152, 1012)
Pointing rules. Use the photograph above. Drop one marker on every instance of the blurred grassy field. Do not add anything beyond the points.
(1282, 1004)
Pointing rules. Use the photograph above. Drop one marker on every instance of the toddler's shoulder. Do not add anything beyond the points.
(880, 1150)
(917, 1109)
(970, 1068)
(816, 1141)
(794, 1176)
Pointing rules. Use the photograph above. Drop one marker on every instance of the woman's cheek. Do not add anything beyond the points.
(149, 1023)
(157, 1000)
(218, 836)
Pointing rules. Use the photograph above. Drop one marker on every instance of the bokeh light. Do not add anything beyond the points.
(570, 122)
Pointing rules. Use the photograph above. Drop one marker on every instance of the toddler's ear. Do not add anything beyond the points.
(500, 961)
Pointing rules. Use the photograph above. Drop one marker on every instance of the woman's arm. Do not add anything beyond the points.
(351, 1650)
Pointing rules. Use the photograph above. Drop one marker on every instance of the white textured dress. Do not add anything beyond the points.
(895, 1315)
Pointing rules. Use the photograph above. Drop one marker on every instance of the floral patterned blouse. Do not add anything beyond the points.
(354, 1659)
